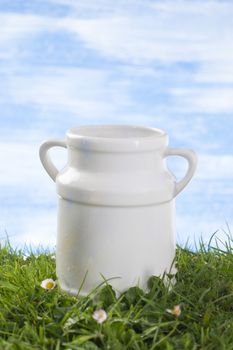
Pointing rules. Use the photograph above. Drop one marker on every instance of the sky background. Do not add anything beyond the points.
(164, 64)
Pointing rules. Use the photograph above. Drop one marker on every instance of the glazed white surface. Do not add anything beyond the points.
(116, 214)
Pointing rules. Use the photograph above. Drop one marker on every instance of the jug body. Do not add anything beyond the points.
(122, 244)
(116, 216)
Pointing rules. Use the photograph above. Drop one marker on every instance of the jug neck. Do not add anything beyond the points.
(112, 162)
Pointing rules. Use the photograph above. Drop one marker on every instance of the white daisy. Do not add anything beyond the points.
(100, 315)
(176, 311)
(48, 284)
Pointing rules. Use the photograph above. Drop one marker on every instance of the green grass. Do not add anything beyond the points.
(33, 318)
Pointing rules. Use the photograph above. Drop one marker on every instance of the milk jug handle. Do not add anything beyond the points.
(45, 158)
(191, 157)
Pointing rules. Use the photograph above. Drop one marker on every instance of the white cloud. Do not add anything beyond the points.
(21, 173)
(210, 167)
(166, 36)
(191, 228)
(192, 7)
(21, 161)
(27, 195)
(89, 93)
(215, 167)
(20, 27)
(165, 32)
(214, 72)
(211, 100)
(43, 233)
(34, 226)
(103, 8)
(137, 40)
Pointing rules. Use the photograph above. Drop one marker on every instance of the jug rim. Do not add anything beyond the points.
(116, 137)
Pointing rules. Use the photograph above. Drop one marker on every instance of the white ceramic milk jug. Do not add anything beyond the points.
(116, 216)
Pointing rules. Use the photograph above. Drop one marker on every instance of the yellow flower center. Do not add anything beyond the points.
(49, 285)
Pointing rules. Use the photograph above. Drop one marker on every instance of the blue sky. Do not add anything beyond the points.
(166, 64)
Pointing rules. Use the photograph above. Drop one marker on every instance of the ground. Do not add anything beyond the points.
(32, 317)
